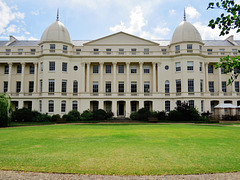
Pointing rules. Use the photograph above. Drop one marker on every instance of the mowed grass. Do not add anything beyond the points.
(121, 149)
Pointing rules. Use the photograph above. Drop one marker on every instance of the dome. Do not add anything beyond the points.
(186, 32)
(56, 32)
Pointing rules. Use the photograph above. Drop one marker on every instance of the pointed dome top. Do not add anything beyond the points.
(56, 32)
(186, 32)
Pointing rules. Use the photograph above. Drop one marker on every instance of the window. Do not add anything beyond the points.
(200, 47)
(64, 67)
(236, 86)
(51, 66)
(18, 86)
(78, 51)
(6, 69)
(52, 47)
(95, 87)
(121, 51)
(134, 50)
(121, 87)
(200, 66)
(108, 51)
(224, 86)
(5, 86)
(95, 69)
(211, 86)
(41, 85)
(31, 86)
(41, 66)
(222, 51)
(19, 68)
(31, 69)
(133, 69)
(222, 70)
(134, 87)
(178, 103)
(33, 51)
(147, 87)
(75, 68)
(95, 105)
(64, 87)
(202, 105)
(167, 87)
(167, 106)
(190, 65)
(65, 48)
(51, 85)
(95, 51)
(209, 51)
(63, 106)
(108, 87)
(177, 49)
(191, 85)
(146, 69)
(146, 51)
(74, 105)
(75, 87)
(133, 106)
(191, 103)
(20, 51)
(120, 69)
(201, 85)
(50, 106)
(178, 66)
(40, 105)
(189, 48)
(108, 69)
(164, 51)
(42, 48)
(8, 51)
(178, 85)
(235, 51)
(210, 69)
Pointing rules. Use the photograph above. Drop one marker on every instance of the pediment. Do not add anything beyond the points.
(121, 38)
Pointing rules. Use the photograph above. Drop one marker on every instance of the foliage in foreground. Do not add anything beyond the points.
(5, 108)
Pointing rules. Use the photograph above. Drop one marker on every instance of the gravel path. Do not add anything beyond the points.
(18, 175)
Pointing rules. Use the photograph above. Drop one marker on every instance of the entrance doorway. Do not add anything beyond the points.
(121, 108)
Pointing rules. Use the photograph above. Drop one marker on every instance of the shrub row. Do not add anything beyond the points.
(26, 115)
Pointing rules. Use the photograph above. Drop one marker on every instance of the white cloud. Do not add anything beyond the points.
(192, 13)
(7, 15)
(172, 12)
(12, 29)
(35, 13)
(137, 24)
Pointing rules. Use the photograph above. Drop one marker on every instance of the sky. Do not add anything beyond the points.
(93, 19)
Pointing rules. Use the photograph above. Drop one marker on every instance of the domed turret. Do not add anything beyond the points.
(56, 32)
(186, 32)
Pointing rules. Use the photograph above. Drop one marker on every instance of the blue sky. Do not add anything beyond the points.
(92, 19)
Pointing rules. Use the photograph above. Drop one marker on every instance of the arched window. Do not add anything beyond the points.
(51, 106)
(167, 87)
(74, 105)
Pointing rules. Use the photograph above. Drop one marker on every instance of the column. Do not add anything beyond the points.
(83, 78)
(141, 78)
(128, 109)
(101, 106)
(114, 78)
(22, 77)
(88, 78)
(114, 108)
(206, 78)
(35, 77)
(101, 78)
(128, 83)
(154, 77)
(9, 77)
(159, 82)
(233, 85)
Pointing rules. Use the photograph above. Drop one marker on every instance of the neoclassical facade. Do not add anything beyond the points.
(120, 72)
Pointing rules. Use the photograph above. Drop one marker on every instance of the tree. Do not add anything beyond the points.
(5, 108)
(226, 23)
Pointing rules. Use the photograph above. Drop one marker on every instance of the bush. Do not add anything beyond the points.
(74, 115)
(143, 114)
(42, 118)
(162, 115)
(55, 117)
(110, 115)
(99, 115)
(86, 116)
(23, 115)
(133, 116)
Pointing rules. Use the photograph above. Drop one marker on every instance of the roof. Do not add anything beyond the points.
(227, 105)
(79, 42)
(24, 43)
(217, 43)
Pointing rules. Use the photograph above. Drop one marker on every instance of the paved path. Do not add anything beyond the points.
(18, 175)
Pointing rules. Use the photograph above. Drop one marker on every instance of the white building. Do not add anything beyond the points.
(120, 73)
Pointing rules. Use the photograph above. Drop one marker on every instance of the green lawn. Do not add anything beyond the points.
(150, 149)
